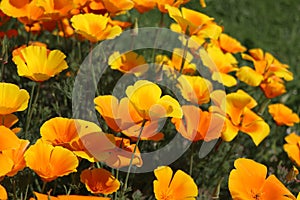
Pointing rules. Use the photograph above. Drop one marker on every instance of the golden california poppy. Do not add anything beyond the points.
(195, 89)
(122, 154)
(161, 4)
(117, 6)
(12, 99)
(95, 27)
(283, 115)
(40, 196)
(292, 147)
(39, 64)
(248, 181)
(178, 187)
(56, 9)
(144, 5)
(146, 98)
(50, 162)
(8, 139)
(99, 181)
(79, 136)
(129, 62)
(199, 125)
(230, 44)
(3, 193)
(9, 121)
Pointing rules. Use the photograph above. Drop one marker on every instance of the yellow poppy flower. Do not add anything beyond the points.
(240, 117)
(12, 99)
(99, 181)
(177, 187)
(50, 162)
(230, 44)
(292, 148)
(195, 89)
(129, 62)
(199, 125)
(95, 27)
(146, 98)
(3, 193)
(221, 64)
(283, 115)
(248, 181)
(38, 63)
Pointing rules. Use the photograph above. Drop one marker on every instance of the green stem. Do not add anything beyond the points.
(32, 106)
(117, 177)
(184, 55)
(192, 158)
(44, 186)
(132, 157)
(28, 35)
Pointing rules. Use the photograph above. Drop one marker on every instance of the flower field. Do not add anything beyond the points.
(149, 99)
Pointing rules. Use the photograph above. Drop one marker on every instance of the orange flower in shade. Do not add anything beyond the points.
(199, 125)
(121, 116)
(292, 148)
(248, 181)
(178, 187)
(117, 6)
(26, 11)
(50, 162)
(220, 64)
(12, 98)
(240, 117)
(274, 87)
(38, 63)
(195, 89)
(283, 115)
(122, 154)
(79, 136)
(145, 97)
(144, 5)
(15, 157)
(95, 27)
(40, 196)
(161, 4)
(176, 62)
(3, 193)
(9, 121)
(56, 9)
(129, 62)
(195, 24)
(230, 44)
(99, 181)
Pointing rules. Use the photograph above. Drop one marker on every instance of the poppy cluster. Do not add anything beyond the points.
(78, 158)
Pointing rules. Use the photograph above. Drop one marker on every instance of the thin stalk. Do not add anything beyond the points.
(44, 186)
(28, 35)
(192, 158)
(117, 177)
(132, 157)
(32, 106)
(184, 55)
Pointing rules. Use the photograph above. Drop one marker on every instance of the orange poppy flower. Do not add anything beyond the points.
(50, 162)
(283, 115)
(153, 106)
(176, 62)
(199, 125)
(144, 5)
(292, 148)
(26, 11)
(202, 3)
(3, 193)
(240, 117)
(177, 187)
(122, 154)
(195, 24)
(12, 99)
(8, 139)
(195, 89)
(230, 44)
(161, 4)
(8, 121)
(40, 196)
(273, 87)
(221, 64)
(15, 156)
(56, 9)
(99, 181)
(89, 26)
(48, 64)
(248, 181)
(117, 6)
(129, 62)
(79, 136)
